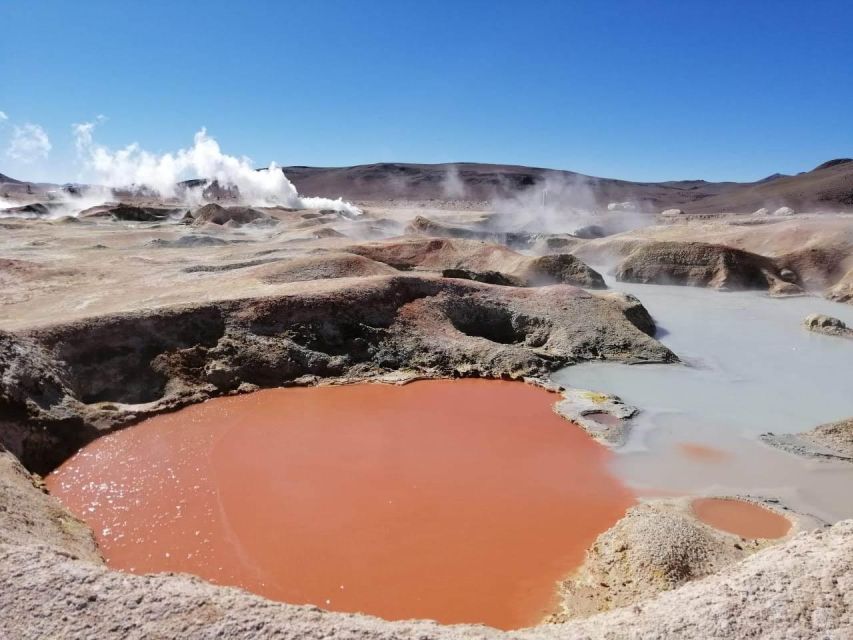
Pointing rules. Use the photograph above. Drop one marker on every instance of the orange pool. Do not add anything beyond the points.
(461, 501)
(744, 519)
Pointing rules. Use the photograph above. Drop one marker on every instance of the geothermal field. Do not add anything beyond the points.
(310, 402)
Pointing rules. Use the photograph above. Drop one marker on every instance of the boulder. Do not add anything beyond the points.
(827, 325)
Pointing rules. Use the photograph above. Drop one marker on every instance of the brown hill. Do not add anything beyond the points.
(829, 186)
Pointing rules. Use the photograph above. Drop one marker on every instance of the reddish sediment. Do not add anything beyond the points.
(702, 452)
(461, 501)
(741, 518)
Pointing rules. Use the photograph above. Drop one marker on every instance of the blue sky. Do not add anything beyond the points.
(644, 90)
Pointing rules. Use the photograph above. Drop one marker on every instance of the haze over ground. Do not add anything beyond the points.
(651, 91)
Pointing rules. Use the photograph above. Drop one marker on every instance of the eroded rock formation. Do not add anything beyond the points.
(62, 385)
(703, 265)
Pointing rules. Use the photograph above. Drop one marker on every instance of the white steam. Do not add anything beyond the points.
(563, 203)
(138, 170)
(452, 185)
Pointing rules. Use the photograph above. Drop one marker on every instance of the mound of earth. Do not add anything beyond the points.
(132, 213)
(318, 267)
(66, 383)
(831, 441)
(440, 254)
(703, 265)
(27, 210)
(217, 214)
(560, 268)
(426, 227)
(658, 546)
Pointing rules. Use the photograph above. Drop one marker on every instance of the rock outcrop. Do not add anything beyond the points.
(61, 386)
(561, 268)
(216, 214)
(703, 265)
(827, 325)
(441, 254)
(831, 441)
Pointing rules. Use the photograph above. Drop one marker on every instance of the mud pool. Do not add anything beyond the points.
(749, 367)
(741, 518)
(461, 501)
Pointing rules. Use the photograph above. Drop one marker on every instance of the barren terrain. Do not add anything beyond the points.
(124, 311)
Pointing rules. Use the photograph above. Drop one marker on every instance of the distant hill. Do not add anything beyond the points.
(8, 180)
(828, 186)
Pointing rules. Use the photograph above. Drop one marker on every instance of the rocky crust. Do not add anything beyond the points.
(216, 214)
(703, 265)
(474, 257)
(827, 325)
(318, 267)
(831, 441)
(603, 416)
(61, 386)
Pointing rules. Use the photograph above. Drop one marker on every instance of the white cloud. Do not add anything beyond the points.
(29, 143)
(3, 116)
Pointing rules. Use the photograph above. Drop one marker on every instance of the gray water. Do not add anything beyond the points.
(749, 367)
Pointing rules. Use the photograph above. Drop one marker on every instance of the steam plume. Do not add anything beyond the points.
(134, 168)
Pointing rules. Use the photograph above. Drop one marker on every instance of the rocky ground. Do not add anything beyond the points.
(133, 309)
(831, 441)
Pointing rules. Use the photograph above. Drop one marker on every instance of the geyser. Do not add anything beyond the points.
(462, 501)
(140, 171)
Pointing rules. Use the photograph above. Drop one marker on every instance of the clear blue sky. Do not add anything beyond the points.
(645, 90)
